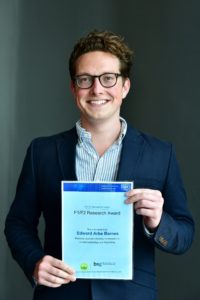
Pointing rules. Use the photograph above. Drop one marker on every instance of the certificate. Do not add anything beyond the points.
(97, 229)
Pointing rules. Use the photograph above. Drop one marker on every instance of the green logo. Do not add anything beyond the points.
(84, 266)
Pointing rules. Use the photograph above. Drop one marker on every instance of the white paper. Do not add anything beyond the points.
(97, 229)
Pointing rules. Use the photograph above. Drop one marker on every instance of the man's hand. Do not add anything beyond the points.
(53, 272)
(149, 204)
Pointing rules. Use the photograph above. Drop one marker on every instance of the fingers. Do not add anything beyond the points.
(148, 203)
(60, 266)
(53, 272)
(139, 194)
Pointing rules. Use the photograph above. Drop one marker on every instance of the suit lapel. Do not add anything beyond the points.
(66, 147)
(133, 145)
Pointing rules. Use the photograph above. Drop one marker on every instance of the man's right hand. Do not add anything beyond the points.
(53, 272)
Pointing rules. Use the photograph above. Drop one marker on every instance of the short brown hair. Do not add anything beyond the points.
(105, 41)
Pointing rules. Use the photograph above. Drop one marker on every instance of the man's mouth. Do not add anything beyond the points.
(97, 102)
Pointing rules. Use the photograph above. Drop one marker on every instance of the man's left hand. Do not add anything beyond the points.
(149, 204)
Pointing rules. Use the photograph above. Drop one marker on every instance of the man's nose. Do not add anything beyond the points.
(97, 87)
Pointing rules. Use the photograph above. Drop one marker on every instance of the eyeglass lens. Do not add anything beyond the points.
(106, 80)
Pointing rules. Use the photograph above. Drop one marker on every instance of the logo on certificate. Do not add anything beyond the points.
(84, 267)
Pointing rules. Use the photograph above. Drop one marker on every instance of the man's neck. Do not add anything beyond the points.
(103, 134)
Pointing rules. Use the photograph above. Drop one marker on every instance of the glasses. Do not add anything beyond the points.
(107, 80)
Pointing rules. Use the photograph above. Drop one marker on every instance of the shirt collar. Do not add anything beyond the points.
(84, 135)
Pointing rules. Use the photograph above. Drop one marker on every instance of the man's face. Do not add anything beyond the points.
(98, 103)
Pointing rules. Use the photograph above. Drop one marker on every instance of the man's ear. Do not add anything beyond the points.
(126, 87)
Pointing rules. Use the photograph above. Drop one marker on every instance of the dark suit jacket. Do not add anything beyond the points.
(148, 161)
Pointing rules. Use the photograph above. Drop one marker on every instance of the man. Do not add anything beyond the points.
(100, 147)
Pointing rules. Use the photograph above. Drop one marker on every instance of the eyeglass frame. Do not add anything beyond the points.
(117, 75)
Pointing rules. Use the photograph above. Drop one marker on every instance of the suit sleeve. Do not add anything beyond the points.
(23, 217)
(176, 229)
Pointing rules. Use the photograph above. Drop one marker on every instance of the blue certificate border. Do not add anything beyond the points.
(97, 186)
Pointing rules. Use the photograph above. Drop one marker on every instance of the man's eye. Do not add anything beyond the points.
(108, 78)
(84, 79)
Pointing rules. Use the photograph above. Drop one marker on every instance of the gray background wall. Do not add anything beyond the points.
(36, 38)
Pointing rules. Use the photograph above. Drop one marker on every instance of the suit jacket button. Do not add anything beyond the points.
(163, 241)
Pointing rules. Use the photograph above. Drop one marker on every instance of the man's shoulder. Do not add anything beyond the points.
(51, 141)
(149, 140)
(71, 133)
